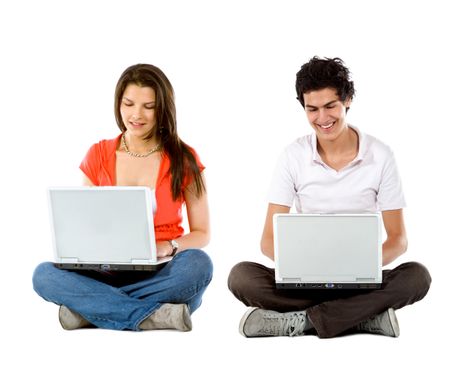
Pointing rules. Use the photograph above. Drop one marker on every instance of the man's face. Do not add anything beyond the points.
(326, 113)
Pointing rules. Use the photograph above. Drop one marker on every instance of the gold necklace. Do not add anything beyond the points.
(153, 150)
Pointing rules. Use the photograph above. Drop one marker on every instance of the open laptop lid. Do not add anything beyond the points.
(107, 228)
(334, 251)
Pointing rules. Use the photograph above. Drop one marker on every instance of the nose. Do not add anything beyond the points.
(136, 115)
(323, 115)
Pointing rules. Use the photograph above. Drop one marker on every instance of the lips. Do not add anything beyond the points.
(136, 125)
(326, 127)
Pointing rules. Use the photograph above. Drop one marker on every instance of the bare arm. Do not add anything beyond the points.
(198, 217)
(267, 235)
(396, 242)
(86, 181)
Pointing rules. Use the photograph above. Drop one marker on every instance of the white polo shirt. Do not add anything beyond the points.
(370, 183)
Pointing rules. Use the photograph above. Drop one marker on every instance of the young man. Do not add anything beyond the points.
(336, 169)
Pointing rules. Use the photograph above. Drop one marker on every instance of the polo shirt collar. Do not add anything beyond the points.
(361, 151)
(316, 157)
(362, 140)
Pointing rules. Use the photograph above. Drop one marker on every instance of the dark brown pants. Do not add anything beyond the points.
(331, 311)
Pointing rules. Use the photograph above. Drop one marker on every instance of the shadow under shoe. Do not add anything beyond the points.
(384, 324)
(71, 320)
(168, 316)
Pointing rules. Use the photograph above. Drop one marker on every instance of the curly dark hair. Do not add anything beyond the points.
(321, 73)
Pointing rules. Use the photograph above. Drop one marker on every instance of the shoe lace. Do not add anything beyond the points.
(368, 325)
(372, 324)
(291, 325)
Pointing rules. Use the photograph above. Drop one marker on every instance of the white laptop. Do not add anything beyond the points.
(327, 251)
(104, 228)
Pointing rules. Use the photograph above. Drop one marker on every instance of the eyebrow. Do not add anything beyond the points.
(153, 102)
(325, 105)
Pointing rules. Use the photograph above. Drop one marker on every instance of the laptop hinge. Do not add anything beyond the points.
(139, 261)
(68, 260)
(324, 278)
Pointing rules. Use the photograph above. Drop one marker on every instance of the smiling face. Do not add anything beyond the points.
(326, 113)
(137, 110)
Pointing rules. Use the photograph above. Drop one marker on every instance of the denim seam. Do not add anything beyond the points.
(196, 288)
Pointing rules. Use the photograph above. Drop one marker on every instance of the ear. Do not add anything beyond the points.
(347, 103)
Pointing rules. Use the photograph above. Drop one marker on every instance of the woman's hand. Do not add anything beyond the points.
(163, 248)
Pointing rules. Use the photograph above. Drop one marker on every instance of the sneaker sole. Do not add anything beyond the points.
(394, 322)
(243, 319)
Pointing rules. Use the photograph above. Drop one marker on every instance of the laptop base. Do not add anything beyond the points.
(112, 267)
(327, 286)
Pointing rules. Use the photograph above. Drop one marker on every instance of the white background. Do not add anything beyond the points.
(233, 66)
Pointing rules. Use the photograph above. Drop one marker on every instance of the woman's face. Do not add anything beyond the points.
(138, 110)
(326, 113)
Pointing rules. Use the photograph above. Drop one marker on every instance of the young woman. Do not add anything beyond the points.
(336, 169)
(148, 152)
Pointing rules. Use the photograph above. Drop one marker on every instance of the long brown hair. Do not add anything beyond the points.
(182, 161)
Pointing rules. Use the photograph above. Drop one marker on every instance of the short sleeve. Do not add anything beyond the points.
(390, 193)
(91, 164)
(282, 188)
(188, 179)
(201, 167)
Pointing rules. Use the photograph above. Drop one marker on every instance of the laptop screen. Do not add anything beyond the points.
(102, 224)
(327, 249)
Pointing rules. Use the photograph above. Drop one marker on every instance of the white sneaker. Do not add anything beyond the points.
(384, 324)
(260, 322)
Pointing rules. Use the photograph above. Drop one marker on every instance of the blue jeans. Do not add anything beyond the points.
(121, 301)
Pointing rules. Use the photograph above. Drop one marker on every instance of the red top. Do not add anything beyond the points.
(99, 165)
